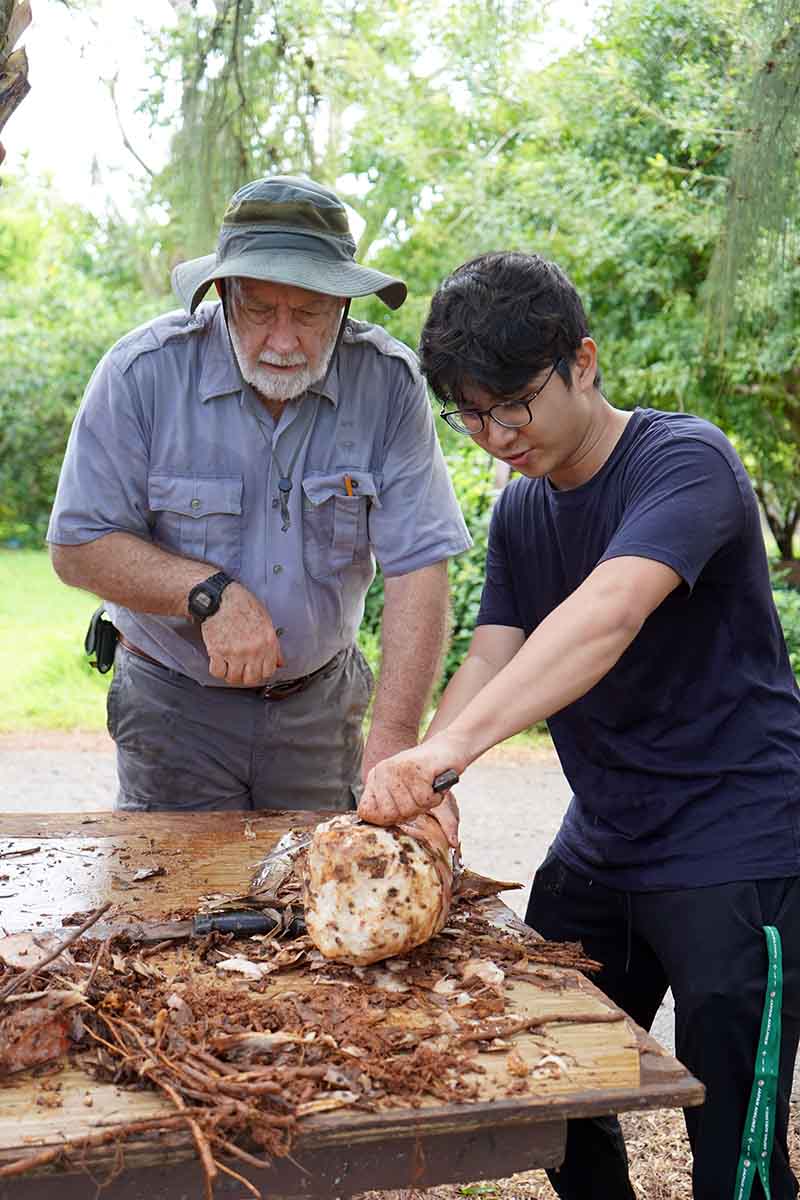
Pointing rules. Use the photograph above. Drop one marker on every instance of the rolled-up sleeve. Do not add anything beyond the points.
(103, 483)
(418, 521)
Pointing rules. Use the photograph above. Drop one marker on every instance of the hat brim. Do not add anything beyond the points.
(191, 280)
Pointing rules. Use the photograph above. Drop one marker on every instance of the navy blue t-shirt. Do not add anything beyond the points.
(684, 760)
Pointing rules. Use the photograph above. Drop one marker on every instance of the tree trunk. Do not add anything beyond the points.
(15, 17)
(782, 522)
(784, 527)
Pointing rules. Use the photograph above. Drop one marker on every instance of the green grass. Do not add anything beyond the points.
(45, 679)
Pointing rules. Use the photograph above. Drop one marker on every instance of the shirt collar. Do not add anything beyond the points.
(219, 375)
(220, 371)
(329, 386)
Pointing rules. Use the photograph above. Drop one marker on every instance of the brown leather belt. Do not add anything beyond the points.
(140, 653)
(290, 687)
(274, 691)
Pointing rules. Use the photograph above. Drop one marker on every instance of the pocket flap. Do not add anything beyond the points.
(319, 488)
(195, 495)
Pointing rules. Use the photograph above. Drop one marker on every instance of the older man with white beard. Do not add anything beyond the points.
(232, 475)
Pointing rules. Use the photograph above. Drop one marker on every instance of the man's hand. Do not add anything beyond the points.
(242, 644)
(448, 816)
(400, 788)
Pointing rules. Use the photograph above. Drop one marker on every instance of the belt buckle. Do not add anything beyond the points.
(281, 691)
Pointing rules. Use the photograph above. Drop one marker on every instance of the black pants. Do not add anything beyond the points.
(706, 944)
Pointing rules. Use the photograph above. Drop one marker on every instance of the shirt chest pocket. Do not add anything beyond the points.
(199, 516)
(335, 511)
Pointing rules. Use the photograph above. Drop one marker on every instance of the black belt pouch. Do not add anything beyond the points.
(101, 641)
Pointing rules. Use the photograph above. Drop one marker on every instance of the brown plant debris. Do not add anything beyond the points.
(243, 1060)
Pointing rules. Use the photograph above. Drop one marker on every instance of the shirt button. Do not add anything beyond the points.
(276, 570)
(195, 503)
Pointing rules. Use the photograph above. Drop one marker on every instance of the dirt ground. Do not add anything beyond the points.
(511, 805)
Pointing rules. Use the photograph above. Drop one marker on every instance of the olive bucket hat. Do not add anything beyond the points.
(286, 230)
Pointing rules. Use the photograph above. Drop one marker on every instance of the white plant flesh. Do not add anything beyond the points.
(372, 893)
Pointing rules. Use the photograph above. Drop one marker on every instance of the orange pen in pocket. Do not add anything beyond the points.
(348, 485)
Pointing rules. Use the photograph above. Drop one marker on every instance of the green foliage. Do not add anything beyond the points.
(472, 475)
(787, 602)
(372, 98)
(614, 162)
(65, 296)
(761, 235)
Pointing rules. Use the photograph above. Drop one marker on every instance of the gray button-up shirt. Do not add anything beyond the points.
(168, 445)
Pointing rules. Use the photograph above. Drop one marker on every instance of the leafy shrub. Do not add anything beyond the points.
(66, 295)
(50, 351)
(787, 602)
(472, 474)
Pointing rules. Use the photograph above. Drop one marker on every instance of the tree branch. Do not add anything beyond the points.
(111, 84)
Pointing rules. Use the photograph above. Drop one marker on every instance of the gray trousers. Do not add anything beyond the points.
(183, 747)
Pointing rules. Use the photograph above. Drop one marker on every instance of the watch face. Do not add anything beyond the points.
(204, 598)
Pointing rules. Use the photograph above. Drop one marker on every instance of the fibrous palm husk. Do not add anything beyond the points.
(371, 893)
(15, 17)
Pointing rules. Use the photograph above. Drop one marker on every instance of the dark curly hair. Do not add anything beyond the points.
(497, 321)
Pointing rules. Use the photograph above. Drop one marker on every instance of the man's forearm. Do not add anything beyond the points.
(129, 571)
(414, 628)
(573, 648)
(470, 678)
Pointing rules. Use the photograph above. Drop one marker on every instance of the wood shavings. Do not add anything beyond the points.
(148, 873)
(255, 1043)
(485, 969)
(37, 1032)
(243, 966)
(516, 1065)
(27, 949)
(551, 1064)
(327, 1103)
(387, 981)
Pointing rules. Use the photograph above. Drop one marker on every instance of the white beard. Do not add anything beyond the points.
(274, 386)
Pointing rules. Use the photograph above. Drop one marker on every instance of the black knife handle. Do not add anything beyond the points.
(244, 922)
(447, 779)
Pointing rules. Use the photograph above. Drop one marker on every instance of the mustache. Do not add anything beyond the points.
(270, 359)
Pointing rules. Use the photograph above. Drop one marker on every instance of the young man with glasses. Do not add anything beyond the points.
(627, 602)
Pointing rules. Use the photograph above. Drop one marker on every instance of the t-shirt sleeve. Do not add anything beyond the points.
(682, 505)
(418, 521)
(498, 601)
(103, 483)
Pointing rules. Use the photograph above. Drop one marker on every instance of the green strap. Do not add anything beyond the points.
(759, 1129)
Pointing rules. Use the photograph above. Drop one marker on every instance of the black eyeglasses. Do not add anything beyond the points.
(514, 413)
